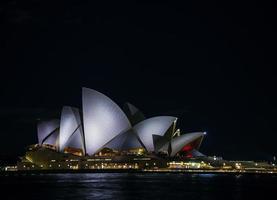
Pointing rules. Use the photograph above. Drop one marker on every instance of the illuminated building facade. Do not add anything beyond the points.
(104, 135)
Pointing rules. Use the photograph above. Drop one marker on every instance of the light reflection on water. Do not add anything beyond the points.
(137, 186)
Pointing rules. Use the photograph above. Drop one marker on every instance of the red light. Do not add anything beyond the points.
(187, 148)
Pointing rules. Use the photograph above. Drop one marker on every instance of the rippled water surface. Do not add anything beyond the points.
(137, 186)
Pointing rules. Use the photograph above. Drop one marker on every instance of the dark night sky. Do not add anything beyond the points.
(208, 63)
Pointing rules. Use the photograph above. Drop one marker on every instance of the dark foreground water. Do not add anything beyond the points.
(137, 186)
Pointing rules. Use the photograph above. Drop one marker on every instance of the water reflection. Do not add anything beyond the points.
(137, 186)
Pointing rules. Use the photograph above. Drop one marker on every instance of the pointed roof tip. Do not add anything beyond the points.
(133, 109)
(70, 107)
(128, 103)
(89, 89)
(133, 113)
(92, 90)
(84, 88)
(66, 107)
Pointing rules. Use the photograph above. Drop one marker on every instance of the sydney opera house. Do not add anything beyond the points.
(104, 136)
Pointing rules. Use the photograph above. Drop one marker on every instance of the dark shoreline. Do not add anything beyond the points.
(33, 172)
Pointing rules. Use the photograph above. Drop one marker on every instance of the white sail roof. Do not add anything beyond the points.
(125, 141)
(178, 143)
(45, 128)
(103, 120)
(52, 139)
(153, 126)
(71, 132)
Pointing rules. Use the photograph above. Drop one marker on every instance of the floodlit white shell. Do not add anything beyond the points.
(45, 128)
(52, 139)
(103, 120)
(71, 132)
(178, 143)
(125, 141)
(153, 126)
